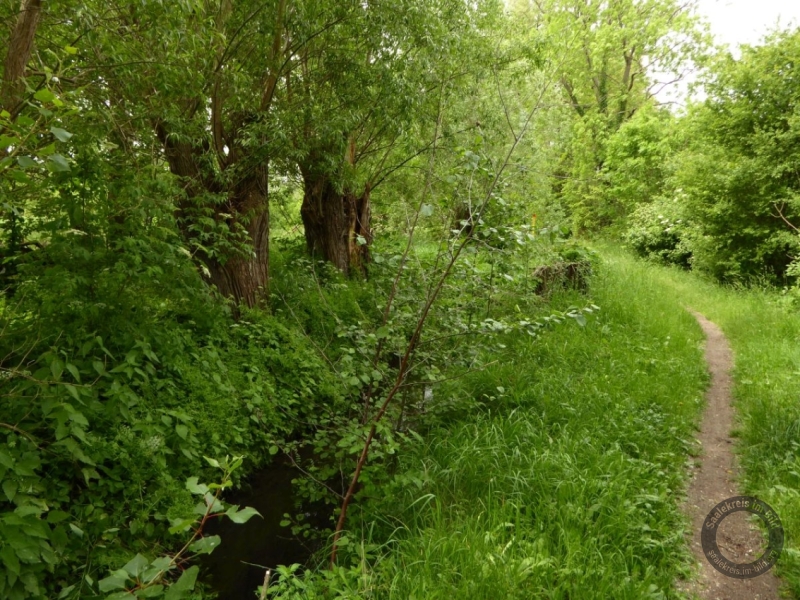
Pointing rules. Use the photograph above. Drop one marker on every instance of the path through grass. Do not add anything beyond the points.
(764, 332)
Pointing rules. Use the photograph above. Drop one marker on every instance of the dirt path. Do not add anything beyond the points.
(714, 480)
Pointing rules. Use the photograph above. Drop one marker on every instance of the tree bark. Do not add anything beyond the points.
(337, 225)
(19, 53)
(245, 278)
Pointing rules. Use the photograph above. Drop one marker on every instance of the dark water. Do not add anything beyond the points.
(259, 541)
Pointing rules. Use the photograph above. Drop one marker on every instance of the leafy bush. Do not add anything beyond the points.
(737, 168)
(658, 231)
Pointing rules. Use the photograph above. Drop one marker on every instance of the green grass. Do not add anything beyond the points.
(568, 483)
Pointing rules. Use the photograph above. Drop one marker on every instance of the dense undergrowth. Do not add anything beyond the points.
(223, 234)
(114, 396)
(556, 473)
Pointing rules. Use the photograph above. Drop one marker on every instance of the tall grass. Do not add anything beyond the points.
(567, 483)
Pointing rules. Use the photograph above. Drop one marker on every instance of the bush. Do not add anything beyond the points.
(657, 231)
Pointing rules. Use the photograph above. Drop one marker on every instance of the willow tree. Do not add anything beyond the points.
(614, 56)
(199, 80)
(362, 97)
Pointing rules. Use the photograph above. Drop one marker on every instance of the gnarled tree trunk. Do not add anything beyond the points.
(337, 225)
(245, 278)
(20, 46)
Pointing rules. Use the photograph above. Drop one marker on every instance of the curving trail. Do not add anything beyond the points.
(714, 480)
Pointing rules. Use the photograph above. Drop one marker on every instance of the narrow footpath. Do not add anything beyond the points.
(714, 479)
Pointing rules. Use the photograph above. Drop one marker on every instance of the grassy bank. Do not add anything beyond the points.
(566, 483)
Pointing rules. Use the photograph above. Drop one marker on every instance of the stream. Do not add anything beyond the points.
(236, 568)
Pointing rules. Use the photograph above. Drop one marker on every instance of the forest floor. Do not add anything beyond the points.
(714, 479)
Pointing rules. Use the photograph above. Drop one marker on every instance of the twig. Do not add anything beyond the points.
(311, 477)
(19, 431)
(265, 587)
(785, 220)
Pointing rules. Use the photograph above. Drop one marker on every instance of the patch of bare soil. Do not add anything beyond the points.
(714, 480)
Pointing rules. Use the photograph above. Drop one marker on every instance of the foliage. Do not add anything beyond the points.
(725, 169)
(142, 578)
(658, 231)
(99, 429)
(637, 159)
(739, 168)
(608, 56)
(561, 449)
(158, 172)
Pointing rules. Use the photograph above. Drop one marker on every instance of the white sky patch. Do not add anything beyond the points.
(735, 22)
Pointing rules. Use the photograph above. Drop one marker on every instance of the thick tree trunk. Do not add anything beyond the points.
(19, 52)
(337, 225)
(245, 278)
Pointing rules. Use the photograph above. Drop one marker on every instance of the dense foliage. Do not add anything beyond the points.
(720, 194)
(236, 233)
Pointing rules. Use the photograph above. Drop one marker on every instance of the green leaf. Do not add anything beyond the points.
(44, 95)
(162, 563)
(213, 462)
(136, 565)
(56, 368)
(66, 591)
(70, 49)
(184, 585)
(10, 560)
(19, 177)
(196, 488)
(46, 151)
(115, 581)
(56, 516)
(61, 134)
(182, 430)
(150, 592)
(76, 530)
(26, 162)
(10, 489)
(242, 516)
(121, 596)
(426, 210)
(57, 163)
(205, 545)
(74, 372)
